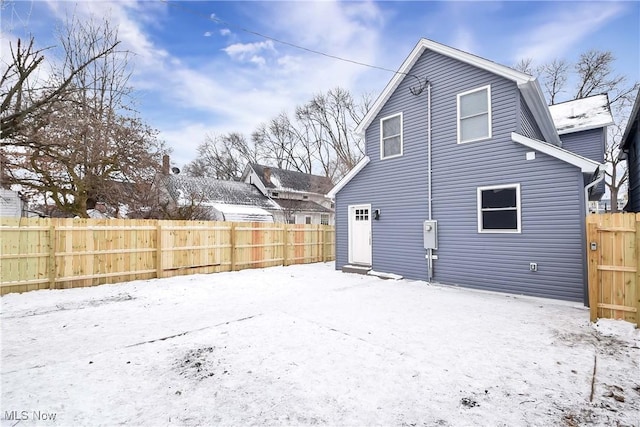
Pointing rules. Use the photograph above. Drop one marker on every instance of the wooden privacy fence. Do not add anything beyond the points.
(613, 247)
(67, 253)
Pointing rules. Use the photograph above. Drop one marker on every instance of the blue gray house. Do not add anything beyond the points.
(630, 148)
(467, 180)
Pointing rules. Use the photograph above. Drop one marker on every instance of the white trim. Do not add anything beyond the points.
(490, 124)
(585, 165)
(585, 128)
(382, 157)
(479, 190)
(348, 177)
(350, 221)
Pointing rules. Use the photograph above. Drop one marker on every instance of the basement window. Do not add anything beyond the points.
(499, 209)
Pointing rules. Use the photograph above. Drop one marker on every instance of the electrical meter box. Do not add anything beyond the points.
(430, 231)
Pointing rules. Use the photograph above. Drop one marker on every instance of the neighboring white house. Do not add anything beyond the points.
(302, 197)
(11, 204)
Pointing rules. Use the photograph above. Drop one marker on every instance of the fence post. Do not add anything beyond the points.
(232, 241)
(592, 236)
(52, 255)
(159, 266)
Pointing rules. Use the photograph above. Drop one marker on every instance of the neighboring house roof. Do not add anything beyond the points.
(582, 114)
(632, 123)
(239, 213)
(286, 180)
(302, 206)
(528, 85)
(209, 191)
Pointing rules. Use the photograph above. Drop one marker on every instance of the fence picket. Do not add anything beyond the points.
(63, 253)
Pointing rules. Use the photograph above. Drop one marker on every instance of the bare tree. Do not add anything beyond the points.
(593, 74)
(85, 141)
(525, 65)
(321, 136)
(554, 77)
(25, 99)
(331, 119)
(223, 157)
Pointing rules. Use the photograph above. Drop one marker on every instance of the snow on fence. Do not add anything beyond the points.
(613, 250)
(67, 253)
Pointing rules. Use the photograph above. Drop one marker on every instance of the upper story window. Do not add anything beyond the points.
(274, 194)
(499, 209)
(391, 136)
(474, 115)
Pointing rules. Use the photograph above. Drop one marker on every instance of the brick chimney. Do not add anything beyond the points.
(165, 164)
(267, 175)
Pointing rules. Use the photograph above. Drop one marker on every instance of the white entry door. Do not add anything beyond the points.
(360, 234)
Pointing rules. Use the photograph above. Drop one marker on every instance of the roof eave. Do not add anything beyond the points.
(585, 165)
(534, 98)
(584, 128)
(348, 177)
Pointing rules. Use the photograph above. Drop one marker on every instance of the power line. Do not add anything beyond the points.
(217, 20)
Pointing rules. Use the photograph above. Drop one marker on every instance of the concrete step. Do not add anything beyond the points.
(358, 269)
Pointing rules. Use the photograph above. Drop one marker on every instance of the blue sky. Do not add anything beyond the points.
(195, 75)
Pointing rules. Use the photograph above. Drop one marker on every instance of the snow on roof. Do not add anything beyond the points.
(186, 189)
(301, 205)
(283, 179)
(243, 213)
(581, 114)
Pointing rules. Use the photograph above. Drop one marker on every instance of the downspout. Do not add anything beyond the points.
(588, 187)
(429, 251)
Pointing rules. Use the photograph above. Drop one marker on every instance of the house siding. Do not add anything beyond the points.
(588, 143)
(528, 125)
(633, 161)
(551, 196)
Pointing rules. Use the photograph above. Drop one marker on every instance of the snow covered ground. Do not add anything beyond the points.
(305, 345)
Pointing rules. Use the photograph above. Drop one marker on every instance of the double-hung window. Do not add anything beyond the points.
(499, 209)
(474, 115)
(391, 136)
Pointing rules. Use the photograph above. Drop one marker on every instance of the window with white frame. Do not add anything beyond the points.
(391, 136)
(307, 220)
(499, 209)
(324, 219)
(474, 115)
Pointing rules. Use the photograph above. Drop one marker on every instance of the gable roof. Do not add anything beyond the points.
(210, 191)
(582, 114)
(528, 85)
(286, 180)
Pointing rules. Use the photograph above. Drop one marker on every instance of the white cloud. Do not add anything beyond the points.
(249, 51)
(464, 40)
(208, 34)
(559, 33)
(225, 32)
(233, 96)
